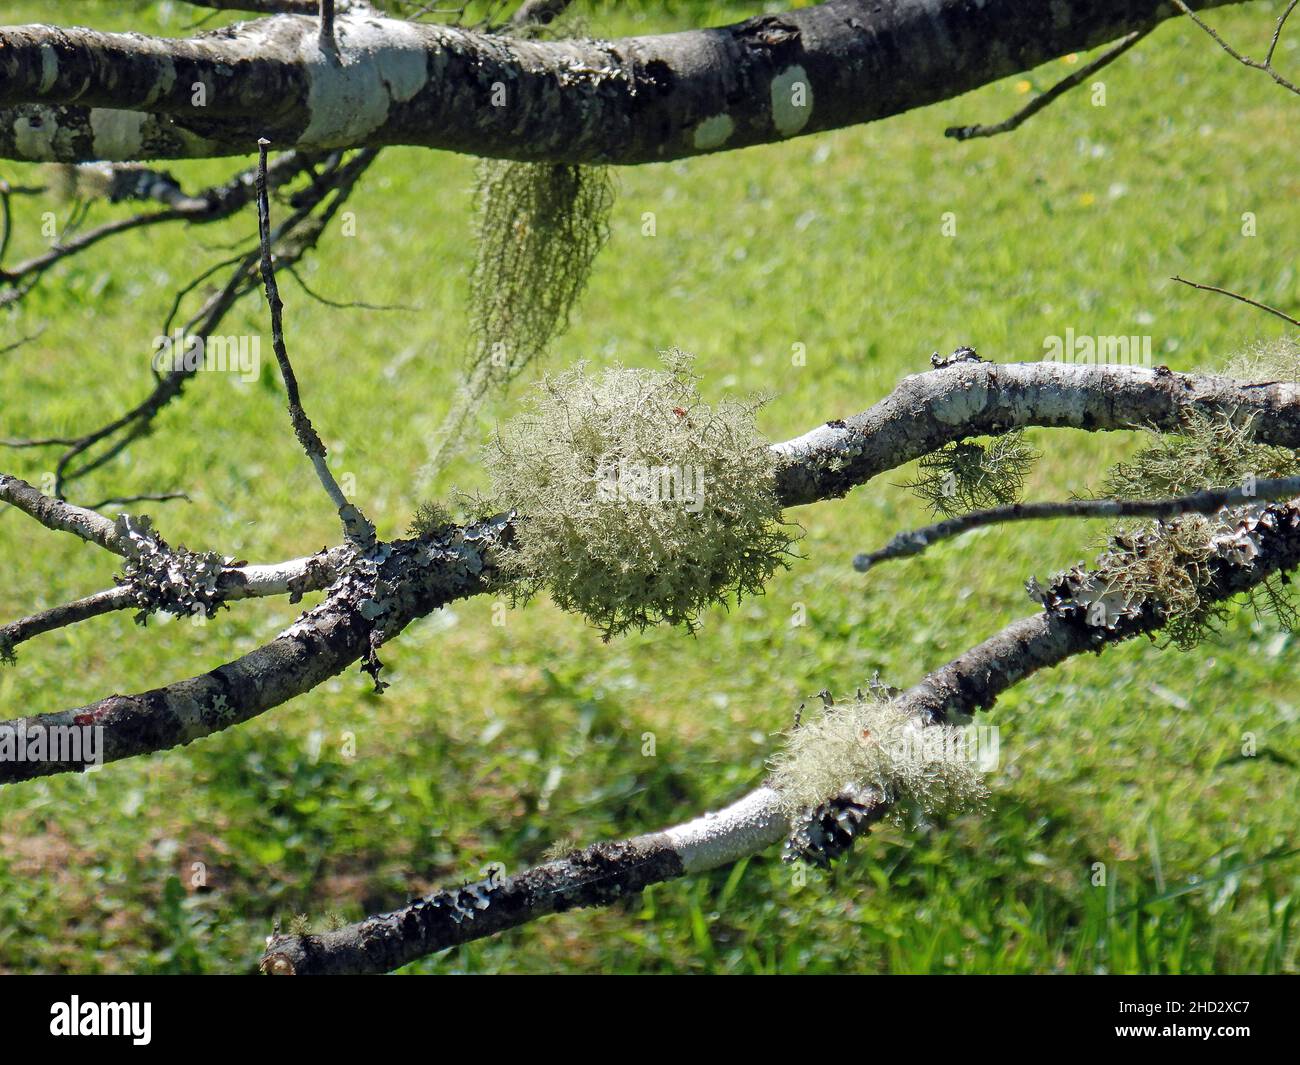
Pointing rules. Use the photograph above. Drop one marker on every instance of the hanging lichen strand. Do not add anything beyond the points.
(638, 502)
(865, 759)
(539, 228)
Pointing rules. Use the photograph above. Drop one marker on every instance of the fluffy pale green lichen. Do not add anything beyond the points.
(1207, 451)
(966, 476)
(639, 503)
(873, 744)
(429, 517)
(1274, 360)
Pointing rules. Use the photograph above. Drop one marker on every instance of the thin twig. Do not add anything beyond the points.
(356, 527)
(1237, 296)
(1267, 65)
(350, 304)
(145, 497)
(1035, 105)
(1206, 501)
(327, 41)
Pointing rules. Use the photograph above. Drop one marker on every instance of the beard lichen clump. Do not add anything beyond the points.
(638, 503)
(835, 771)
(1169, 563)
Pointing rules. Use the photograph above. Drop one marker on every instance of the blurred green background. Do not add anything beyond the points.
(497, 742)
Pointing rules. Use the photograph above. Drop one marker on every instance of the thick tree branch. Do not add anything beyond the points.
(374, 598)
(966, 399)
(74, 94)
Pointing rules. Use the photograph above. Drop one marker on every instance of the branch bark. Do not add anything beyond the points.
(75, 94)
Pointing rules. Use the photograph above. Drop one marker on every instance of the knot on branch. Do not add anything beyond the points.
(174, 580)
(961, 354)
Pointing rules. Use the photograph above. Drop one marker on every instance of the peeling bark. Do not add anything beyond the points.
(75, 94)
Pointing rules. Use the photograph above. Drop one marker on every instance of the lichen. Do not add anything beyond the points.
(429, 517)
(539, 228)
(1168, 562)
(638, 502)
(171, 579)
(835, 772)
(966, 476)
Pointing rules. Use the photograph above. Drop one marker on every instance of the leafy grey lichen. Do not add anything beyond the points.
(174, 580)
(1169, 563)
(639, 503)
(1173, 575)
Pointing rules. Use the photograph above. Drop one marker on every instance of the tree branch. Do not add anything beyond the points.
(605, 872)
(924, 413)
(1237, 296)
(1207, 501)
(73, 94)
(963, 133)
(1245, 60)
(356, 527)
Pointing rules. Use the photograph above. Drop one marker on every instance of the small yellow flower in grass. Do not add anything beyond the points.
(1023, 86)
(1087, 199)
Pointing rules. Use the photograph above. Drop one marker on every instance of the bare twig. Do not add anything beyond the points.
(356, 527)
(327, 41)
(1206, 501)
(107, 601)
(1237, 296)
(211, 205)
(1267, 65)
(1063, 86)
(144, 497)
(294, 236)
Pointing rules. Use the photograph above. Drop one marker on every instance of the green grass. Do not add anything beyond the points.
(497, 741)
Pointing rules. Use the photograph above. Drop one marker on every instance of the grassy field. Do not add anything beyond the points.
(495, 743)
